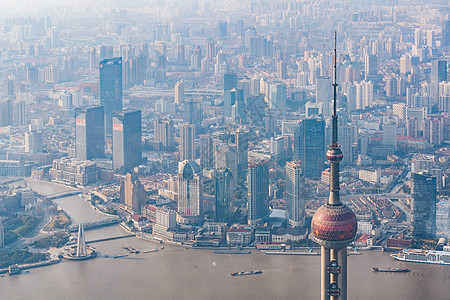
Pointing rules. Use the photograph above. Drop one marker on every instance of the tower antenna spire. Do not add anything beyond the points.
(334, 224)
(334, 117)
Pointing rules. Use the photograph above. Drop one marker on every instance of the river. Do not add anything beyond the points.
(180, 273)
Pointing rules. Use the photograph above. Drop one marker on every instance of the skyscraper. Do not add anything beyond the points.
(423, 205)
(257, 192)
(309, 146)
(193, 113)
(277, 98)
(269, 123)
(370, 66)
(334, 225)
(110, 89)
(241, 138)
(229, 99)
(89, 133)
(190, 193)
(206, 151)
(127, 140)
(229, 81)
(187, 145)
(438, 74)
(445, 41)
(226, 156)
(2, 235)
(92, 58)
(223, 195)
(438, 70)
(8, 87)
(324, 94)
(132, 193)
(295, 194)
(181, 58)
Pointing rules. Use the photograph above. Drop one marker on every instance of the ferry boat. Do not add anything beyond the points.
(389, 270)
(424, 256)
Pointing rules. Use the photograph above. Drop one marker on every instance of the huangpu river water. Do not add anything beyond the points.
(180, 273)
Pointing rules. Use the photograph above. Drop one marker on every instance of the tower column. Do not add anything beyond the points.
(324, 275)
(334, 276)
(342, 281)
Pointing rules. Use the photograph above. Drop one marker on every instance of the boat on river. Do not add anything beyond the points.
(424, 256)
(246, 273)
(389, 270)
(231, 251)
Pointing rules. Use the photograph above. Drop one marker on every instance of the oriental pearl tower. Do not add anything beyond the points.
(334, 224)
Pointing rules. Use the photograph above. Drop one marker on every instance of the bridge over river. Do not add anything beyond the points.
(64, 194)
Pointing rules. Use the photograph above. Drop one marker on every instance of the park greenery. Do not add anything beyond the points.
(20, 257)
(58, 239)
(18, 226)
(60, 220)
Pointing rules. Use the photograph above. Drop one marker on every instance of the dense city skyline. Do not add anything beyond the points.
(205, 124)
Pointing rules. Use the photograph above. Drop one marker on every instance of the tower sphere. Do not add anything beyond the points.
(334, 226)
(334, 154)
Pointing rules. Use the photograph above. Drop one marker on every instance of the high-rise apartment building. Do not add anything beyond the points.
(281, 70)
(309, 146)
(390, 135)
(187, 145)
(110, 89)
(190, 193)
(132, 193)
(89, 133)
(20, 114)
(179, 92)
(423, 205)
(127, 140)
(164, 133)
(33, 142)
(257, 192)
(181, 57)
(32, 75)
(295, 194)
(106, 52)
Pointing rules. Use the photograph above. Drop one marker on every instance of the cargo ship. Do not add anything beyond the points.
(231, 251)
(389, 270)
(291, 253)
(424, 256)
(131, 249)
(246, 273)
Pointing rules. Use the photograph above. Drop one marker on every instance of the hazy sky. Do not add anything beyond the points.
(16, 8)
